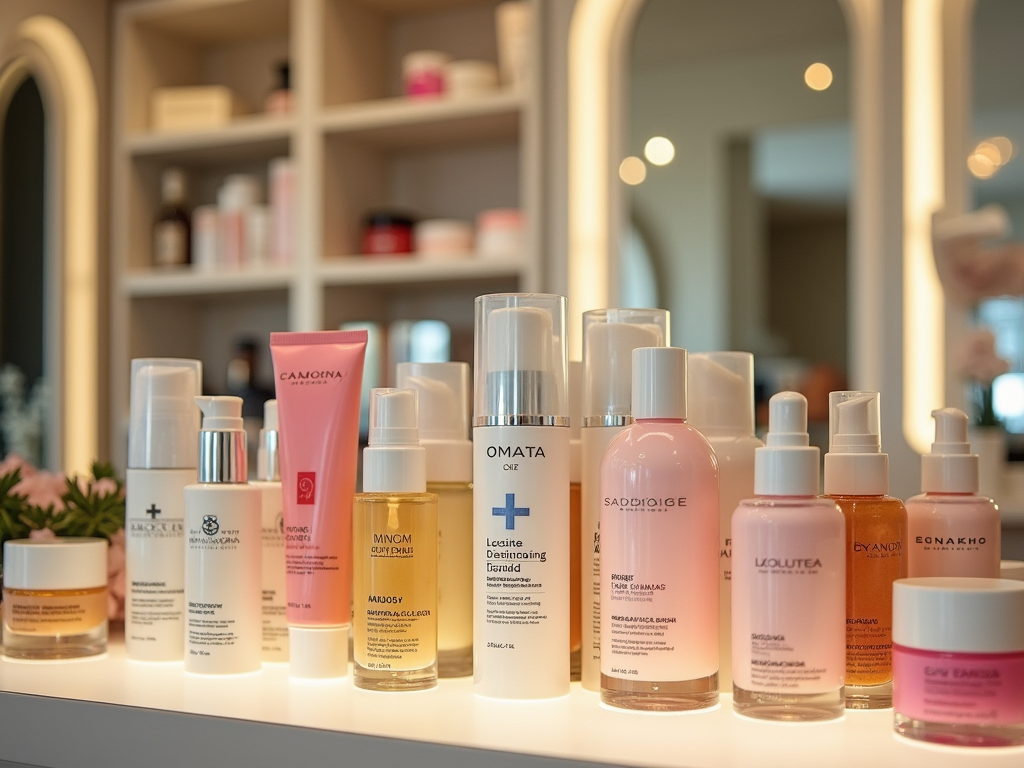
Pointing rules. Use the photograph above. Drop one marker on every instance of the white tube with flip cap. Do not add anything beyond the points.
(163, 439)
(609, 338)
(720, 387)
(521, 498)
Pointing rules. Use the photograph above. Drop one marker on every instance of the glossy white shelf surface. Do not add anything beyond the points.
(186, 281)
(364, 270)
(429, 723)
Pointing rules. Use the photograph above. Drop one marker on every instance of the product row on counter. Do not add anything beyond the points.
(639, 525)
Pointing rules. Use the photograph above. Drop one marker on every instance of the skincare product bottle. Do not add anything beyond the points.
(223, 555)
(958, 661)
(609, 338)
(659, 549)
(394, 558)
(279, 100)
(172, 233)
(268, 480)
(951, 530)
(54, 598)
(788, 581)
(163, 442)
(575, 512)
(443, 390)
(521, 498)
(720, 406)
(857, 479)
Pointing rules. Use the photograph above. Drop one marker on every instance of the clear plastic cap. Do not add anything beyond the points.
(609, 338)
(721, 393)
(659, 383)
(788, 464)
(521, 360)
(855, 464)
(443, 390)
(164, 427)
(950, 467)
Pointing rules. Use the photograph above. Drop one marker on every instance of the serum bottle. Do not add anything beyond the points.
(163, 442)
(394, 559)
(223, 554)
(521, 498)
(721, 407)
(443, 391)
(609, 338)
(857, 479)
(575, 514)
(659, 549)
(952, 531)
(268, 480)
(788, 581)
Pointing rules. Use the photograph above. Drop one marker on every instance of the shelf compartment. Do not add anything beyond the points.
(188, 283)
(398, 271)
(416, 123)
(248, 138)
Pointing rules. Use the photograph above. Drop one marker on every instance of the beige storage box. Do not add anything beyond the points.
(194, 108)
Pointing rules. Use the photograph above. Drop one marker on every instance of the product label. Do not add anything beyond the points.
(305, 488)
(67, 612)
(170, 244)
(521, 532)
(275, 623)
(955, 688)
(953, 538)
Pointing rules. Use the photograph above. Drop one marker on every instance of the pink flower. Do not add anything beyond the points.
(115, 577)
(976, 357)
(43, 489)
(42, 533)
(105, 486)
(12, 462)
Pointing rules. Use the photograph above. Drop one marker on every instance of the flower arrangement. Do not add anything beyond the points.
(977, 360)
(37, 504)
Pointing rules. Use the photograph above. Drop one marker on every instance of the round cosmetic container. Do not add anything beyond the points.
(423, 73)
(499, 233)
(470, 78)
(443, 238)
(55, 598)
(387, 234)
(958, 660)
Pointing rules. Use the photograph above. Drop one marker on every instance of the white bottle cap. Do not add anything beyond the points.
(659, 383)
(164, 425)
(609, 338)
(394, 461)
(855, 464)
(443, 391)
(575, 421)
(520, 360)
(958, 614)
(268, 452)
(787, 465)
(58, 563)
(317, 652)
(950, 467)
(720, 393)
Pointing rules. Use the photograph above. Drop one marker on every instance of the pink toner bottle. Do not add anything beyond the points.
(659, 549)
(952, 531)
(788, 581)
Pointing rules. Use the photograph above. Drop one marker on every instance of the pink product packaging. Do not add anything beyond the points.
(958, 660)
(423, 72)
(318, 378)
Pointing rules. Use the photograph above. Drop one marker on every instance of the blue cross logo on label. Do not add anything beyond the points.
(510, 511)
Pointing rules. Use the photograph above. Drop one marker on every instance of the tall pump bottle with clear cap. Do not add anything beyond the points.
(521, 498)
(952, 531)
(394, 557)
(268, 480)
(720, 405)
(223, 553)
(443, 390)
(609, 338)
(659, 549)
(857, 479)
(788, 581)
(162, 458)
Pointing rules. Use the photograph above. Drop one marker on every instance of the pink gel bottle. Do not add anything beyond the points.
(958, 660)
(659, 549)
(788, 581)
(952, 531)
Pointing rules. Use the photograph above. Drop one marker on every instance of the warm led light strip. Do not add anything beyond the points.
(923, 311)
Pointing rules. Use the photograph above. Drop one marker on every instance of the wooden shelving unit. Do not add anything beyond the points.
(357, 145)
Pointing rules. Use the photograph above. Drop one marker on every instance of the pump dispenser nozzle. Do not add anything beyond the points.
(394, 461)
(222, 451)
(788, 464)
(950, 467)
(855, 464)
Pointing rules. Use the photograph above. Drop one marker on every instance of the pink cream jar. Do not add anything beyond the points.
(958, 660)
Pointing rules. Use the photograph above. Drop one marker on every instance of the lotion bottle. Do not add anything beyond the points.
(721, 407)
(659, 549)
(788, 581)
(223, 556)
(443, 391)
(952, 531)
(268, 480)
(521, 498)
(609, 338)
(575, 515)
(394, 558)
(163, 442)
(857, 479)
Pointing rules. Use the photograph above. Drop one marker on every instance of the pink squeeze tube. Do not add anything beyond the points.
(318, 377)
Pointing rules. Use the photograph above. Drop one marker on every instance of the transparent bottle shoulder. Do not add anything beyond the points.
(788, 502)
(414, 497)
(951, 500)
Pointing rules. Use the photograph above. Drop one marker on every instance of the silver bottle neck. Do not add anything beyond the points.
(268, 461)
(222, 457)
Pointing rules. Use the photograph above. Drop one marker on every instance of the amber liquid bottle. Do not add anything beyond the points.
(857, 479)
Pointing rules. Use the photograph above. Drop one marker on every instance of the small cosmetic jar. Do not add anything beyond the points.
(958, 660)
(387, 234)
(499, 233)
(423, 73)
(55, 598)
(443, 238)
(470, 78)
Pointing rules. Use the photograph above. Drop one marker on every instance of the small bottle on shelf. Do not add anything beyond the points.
(172, 232)
(279, 100)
